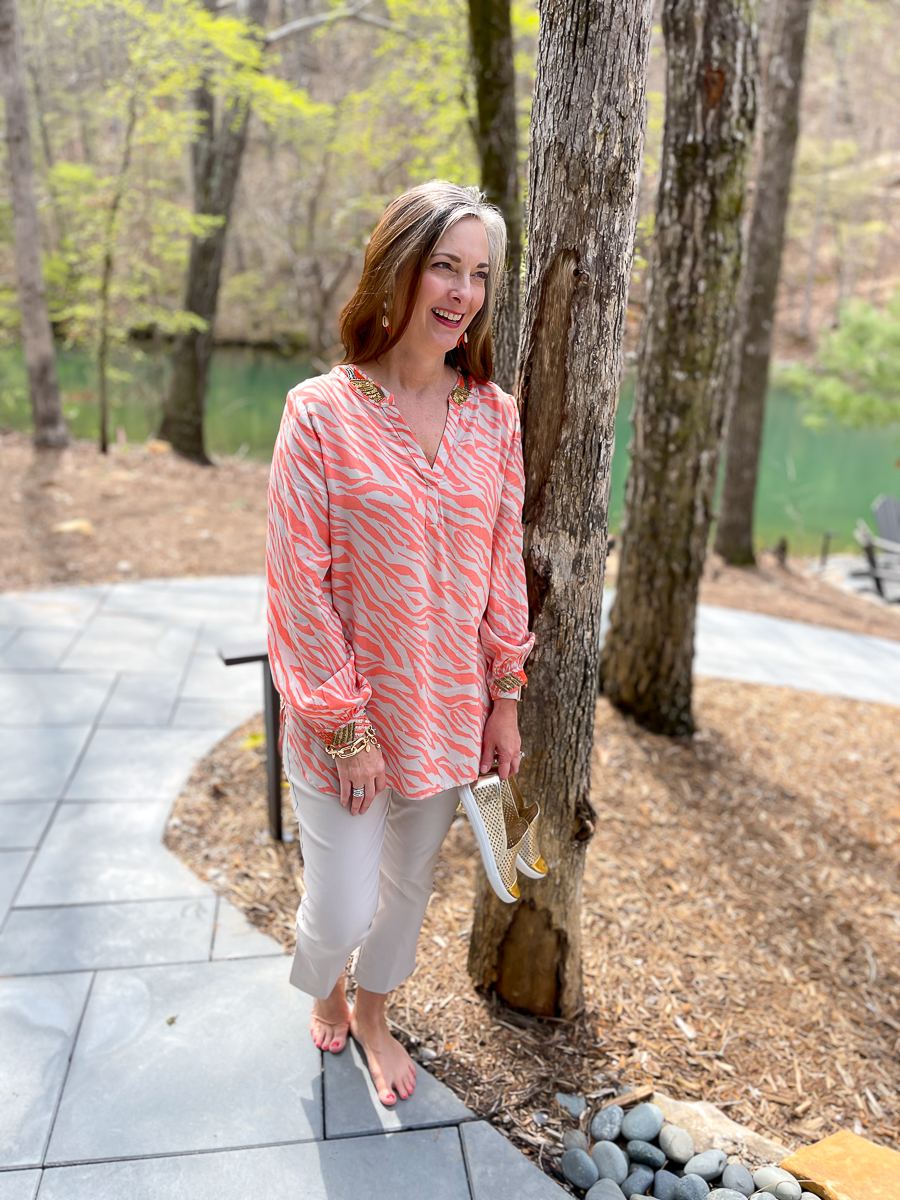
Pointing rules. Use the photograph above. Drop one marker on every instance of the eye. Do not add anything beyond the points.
(441, 263)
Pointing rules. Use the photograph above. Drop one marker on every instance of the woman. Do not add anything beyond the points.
(397, 609)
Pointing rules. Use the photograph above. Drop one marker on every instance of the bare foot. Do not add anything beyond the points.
(330, 1020)
(393, 1071)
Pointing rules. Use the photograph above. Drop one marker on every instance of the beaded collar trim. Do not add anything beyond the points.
(372, 391)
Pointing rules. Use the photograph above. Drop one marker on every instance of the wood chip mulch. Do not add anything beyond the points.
(741, 917)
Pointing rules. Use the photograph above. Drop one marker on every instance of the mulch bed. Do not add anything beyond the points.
(741, 919)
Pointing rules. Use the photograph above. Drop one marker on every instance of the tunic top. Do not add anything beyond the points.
(396, 590)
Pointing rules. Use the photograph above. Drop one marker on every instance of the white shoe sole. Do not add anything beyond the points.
(484, 844)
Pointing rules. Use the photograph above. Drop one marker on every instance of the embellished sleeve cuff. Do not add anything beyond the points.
(353, 726)
(507, 680)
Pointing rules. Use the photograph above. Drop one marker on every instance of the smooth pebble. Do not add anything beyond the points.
(646, 1153)
(691, 1187)
(785, 1189)
(605, 1189)
(607, 1124)
(574, 1139)
(643, 1123)
(540, 1118)
(611, 1161)
(725, 1194)
(677, 1144)
(738, 1178)
(664, 1184)
(638, 1181)
(808, 1196)
(579, 1168)
(574, 1105)
(708, 1165)
(767, 1175)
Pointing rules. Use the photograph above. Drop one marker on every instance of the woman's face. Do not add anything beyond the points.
(452, 288)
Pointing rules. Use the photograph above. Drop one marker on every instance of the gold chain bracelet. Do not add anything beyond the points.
(368, 741)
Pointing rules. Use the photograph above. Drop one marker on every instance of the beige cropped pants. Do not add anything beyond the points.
(368, 879)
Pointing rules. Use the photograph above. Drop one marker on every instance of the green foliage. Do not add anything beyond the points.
(855, 380)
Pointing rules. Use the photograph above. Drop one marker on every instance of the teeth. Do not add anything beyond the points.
(448, 316)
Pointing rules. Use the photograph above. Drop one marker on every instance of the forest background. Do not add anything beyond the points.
(349, 112)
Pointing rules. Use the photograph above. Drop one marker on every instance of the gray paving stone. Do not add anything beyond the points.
(38, 1020)
(66, 608)
(13, 865)
(215, 714)
(235, 937)
(236, 1067)
(140, 764)
(19, 1185)
(52, 697)
(352, 1106)
(21, 825)
(209, 679)
(424, 1165)
(218, 633)
(36, 649)
(121, 642)
(108, 852)
(498, 1171)
(142, 698)
(227, 598)
(86, 937)
(7, 633)
(35, 762)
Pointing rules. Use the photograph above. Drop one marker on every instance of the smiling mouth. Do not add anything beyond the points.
(450, 319)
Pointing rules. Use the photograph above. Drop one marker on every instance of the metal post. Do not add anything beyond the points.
(273, 754)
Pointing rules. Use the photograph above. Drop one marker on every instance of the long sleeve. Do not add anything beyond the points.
(312, 664)
(504, 629)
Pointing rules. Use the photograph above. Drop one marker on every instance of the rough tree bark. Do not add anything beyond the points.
(587, 136)
(753, 344)
(50, 429)
(684, 357)
(216, 156)
(490, 28)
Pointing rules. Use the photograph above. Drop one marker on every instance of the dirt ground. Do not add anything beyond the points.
(143, 513)
(741, 919)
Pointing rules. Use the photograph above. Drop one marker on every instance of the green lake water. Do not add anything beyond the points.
(810, 481)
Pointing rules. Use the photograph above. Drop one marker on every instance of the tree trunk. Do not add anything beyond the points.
(216, 162)
(587, 136)
(50, 429)
(753, 343)
(684, 358)
(490, 28)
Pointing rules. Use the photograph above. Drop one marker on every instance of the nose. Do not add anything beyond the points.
(461, 289)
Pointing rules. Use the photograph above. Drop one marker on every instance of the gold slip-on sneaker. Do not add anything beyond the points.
(499, 830)
(529, 859)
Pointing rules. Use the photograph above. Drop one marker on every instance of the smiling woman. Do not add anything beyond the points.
(396, 602)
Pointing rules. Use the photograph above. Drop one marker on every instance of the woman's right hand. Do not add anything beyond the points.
(363, 770)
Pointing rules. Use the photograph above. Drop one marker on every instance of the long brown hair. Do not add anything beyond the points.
(405, 237)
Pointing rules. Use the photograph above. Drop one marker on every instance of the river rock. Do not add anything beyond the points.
(646, 1153)
(540, 1118)
(607, 1124)
(691, 1187)
(574, 1105)
(724, 1194)
(664, 1184)
(638, 1181)
(579, 1168)
(676, 1143)
(574, 1139)
(643, 1122)
(785, 1189)
(766, 1175)
(605, 1189)
(611, 1161)
(708, 1165)
(738, 1178)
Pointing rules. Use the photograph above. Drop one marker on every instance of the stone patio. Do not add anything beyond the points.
(150, 1043)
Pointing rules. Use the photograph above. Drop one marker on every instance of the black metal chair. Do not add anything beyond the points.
(247, 652)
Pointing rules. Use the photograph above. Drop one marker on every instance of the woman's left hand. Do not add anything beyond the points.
(501, 739)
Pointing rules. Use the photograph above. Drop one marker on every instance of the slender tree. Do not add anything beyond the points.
(684, 357)
(587, 136)
(490, 29)
(753, 343)
(216, 156)
(50, 429)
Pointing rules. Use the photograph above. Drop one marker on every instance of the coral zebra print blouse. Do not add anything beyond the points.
(396, 590)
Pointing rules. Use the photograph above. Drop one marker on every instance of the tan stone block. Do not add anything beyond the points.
(712, 1130)
(847, 1167)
